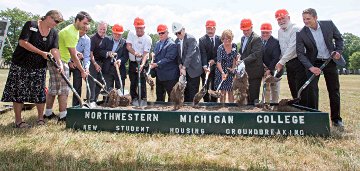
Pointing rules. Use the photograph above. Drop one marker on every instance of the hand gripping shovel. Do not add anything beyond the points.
(82, 104)
(198, 96)
(284, 102)
(148, 78)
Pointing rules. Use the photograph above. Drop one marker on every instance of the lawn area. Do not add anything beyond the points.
(52, 147)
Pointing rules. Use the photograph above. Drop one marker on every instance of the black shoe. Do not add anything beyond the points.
(62, 119)
(52, 116)
(338, 123)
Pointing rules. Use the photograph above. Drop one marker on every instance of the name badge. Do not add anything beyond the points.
(33, 29)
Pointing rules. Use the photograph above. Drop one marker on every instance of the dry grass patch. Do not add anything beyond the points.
(52, 147)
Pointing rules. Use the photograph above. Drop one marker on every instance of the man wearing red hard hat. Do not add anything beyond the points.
(251, 53)
(113, 51)
(165, 64)
(138, 45)
(208, 45)
(296, 74)
(271, 55)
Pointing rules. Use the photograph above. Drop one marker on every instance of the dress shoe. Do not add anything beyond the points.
(338, 123)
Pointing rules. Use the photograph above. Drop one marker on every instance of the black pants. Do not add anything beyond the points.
(209, 86)
(296, 75)
(332, 85)
(192, 87)
(133, 76)
(254, 90)
(163, 87)
(77, 83)
(112, 78)
(94, 88)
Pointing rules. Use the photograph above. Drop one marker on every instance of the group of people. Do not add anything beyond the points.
(302, 51)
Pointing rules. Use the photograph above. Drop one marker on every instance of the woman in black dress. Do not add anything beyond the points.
(26, 78)
(226, 58)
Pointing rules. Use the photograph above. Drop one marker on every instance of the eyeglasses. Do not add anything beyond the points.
(56, 21)
(178, 33)
(161, 33)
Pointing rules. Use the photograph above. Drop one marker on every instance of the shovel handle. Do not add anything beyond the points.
(313, 75)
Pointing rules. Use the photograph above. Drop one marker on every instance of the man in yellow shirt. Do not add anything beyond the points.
(68, 39)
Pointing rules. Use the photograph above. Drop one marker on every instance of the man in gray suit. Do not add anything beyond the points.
(251, 53)
(189, 60)
(314, 44)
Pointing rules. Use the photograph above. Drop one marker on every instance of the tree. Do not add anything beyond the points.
(17, 20)
(355, 60)
(351, 45)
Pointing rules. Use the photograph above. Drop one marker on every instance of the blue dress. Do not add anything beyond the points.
(226, 61)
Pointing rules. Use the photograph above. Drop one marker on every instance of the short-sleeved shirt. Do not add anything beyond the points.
(31, 34)
(95, 47)
(68, 38)
(139, 44)
(83, 47)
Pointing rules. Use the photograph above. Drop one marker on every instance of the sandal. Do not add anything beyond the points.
(40, 122)
(22, 125)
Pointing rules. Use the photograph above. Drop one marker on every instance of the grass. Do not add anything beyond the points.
(52, 147)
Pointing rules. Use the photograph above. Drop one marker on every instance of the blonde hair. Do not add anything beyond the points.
(227, 34)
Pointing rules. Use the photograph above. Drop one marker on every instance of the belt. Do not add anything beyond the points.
(321, 59)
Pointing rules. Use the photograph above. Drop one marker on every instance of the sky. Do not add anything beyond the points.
(194, 13)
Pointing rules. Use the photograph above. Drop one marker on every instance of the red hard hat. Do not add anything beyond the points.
(266, 27)
(161, 28)
(281, 13)
(245, 24)
(139, 22)
(210, 23)
(118, 29)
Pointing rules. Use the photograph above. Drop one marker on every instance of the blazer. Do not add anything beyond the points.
(166, 59)
(252, 56)
(207, 49)
(271, 53)
(306, 47)
(106, 45)
(190, 57)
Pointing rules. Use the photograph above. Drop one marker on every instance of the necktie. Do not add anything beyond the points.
(212, 41)
(264, 42)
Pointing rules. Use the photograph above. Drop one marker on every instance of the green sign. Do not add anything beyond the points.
(310, 122)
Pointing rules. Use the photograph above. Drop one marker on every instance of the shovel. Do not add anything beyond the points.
(217, 93)
(51, 58)
(139, 102)
(148, 78)
(284, 102)
(198, 96)
(268, 79)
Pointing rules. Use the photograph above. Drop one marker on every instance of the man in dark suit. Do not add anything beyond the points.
(314, 44)
(251, 53)
(189, 60)
(208, 45)
(113, 51)
(271, 56)
(165, 64)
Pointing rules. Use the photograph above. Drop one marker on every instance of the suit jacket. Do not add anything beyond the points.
(271, 53)
(190, 56)
(207, 49)
(306, 47)
(252, 56)
(166, 59)
(106, 45)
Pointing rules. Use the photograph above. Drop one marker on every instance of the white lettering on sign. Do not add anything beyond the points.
(90, 127)
(244, 131)
(207, 119)
(122, 128)
(139, 117)
(280, 119)
(187, 131)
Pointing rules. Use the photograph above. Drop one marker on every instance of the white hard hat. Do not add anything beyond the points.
(176, 27)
